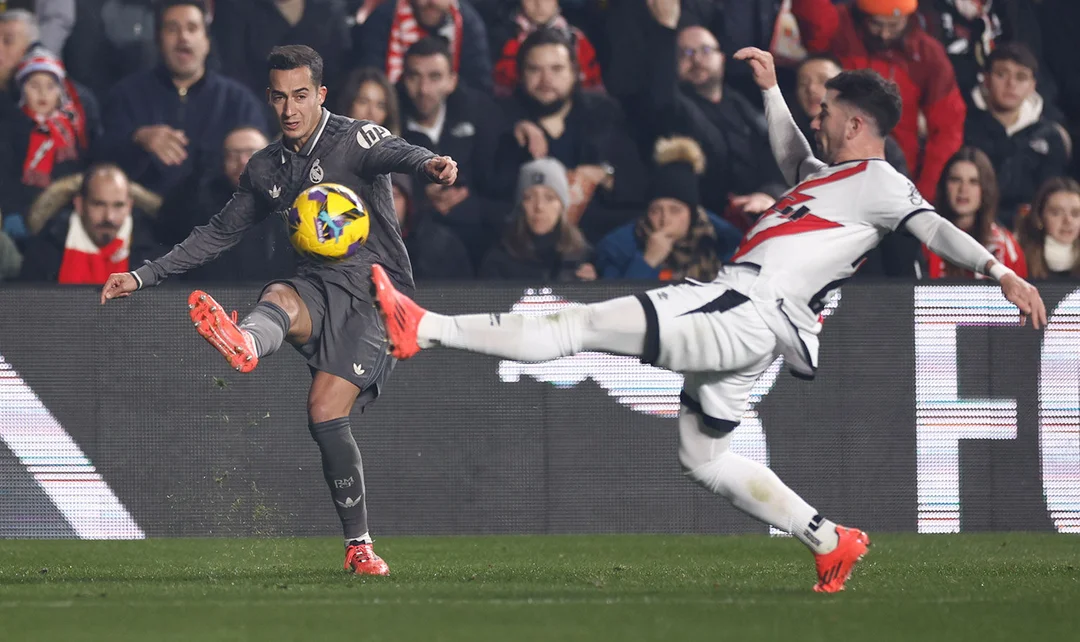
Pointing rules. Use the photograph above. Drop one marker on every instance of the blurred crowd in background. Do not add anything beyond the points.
(596, 139)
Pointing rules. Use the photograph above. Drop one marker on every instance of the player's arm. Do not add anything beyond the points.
(204, 244)
(959, 248)
(380, 152)
(790, 148)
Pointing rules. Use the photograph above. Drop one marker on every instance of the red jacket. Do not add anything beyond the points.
(1002, 245)
(922, 71)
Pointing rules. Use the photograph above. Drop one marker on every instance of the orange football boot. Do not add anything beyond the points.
(834, 568)
(401, 314)
(362, 560)
(235, 344)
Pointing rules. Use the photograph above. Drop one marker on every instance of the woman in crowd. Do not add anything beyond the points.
(540, 243)
(967, 195)
(676, 238)
(1050, 234)
(367, 95)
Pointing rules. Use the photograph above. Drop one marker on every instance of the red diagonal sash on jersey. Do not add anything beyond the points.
(797, 224)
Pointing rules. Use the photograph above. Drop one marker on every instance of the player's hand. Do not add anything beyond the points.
(666, 12)
(528, 134)
(120, 284)
(1026, 297)
(755, 203)
(168, 144)
(595, 176)
(761, 63)
(442, 170)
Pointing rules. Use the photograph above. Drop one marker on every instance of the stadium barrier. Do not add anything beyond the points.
(933, 411)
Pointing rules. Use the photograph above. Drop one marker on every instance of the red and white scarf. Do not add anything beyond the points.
(405, 31)
(55, 138)
(86, 263)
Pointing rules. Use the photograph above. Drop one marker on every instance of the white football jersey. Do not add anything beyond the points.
(814, 237)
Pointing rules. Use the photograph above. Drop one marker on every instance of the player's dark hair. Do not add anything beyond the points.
(288, 57)
(1013, 52)
(94, 170)
(546, 36)
(430, 46)
(871, 94)
(165, 5)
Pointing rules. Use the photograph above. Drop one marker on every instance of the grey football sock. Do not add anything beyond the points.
(268, 324)
(344, 473)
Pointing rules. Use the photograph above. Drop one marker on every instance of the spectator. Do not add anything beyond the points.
(967, 196)
(111, 39)
(264, 252)
(103, 235)
(10, 258)
(162, 124)
(1059, 19)
(971, 29)
(741, 172)
(880, 35)
(453, 120)
(47, 138)
(676, 238)
(56, 18)
(584, 130)
(1008, 124)
(246, 30)
(1050, 234)
(532, 15)
(435, 252)
(540, 243)
(396, 24)
(366, 94)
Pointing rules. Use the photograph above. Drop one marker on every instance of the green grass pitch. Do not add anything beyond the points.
(622, 587)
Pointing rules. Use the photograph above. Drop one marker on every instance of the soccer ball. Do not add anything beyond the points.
(328, 222)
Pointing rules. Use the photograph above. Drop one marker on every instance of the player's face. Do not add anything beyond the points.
(106, 206)
(670, 215)
(429, 13)
(369, 104)
(184, 43)
(964, 190)
(14, 41)
(540, 11)
(701, 64)
(42, 93)
(810, 90)
(883, 32)
(830, 126)
(239, 147)
(543, 209)
(1061, 217)
(549, 74)
(428, 81)
(296, 101)
(1009, 84)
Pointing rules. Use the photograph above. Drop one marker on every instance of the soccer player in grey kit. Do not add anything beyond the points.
(326, 311)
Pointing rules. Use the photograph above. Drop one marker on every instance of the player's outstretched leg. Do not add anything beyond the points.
(704, 452)
(329, 403)
(617, 326)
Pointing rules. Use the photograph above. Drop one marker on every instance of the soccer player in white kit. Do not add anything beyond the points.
(766, 301)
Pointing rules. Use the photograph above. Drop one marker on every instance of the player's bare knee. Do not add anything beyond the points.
(285, 298)
(322, 409)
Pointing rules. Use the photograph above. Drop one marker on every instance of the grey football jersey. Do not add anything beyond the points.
(357, 154)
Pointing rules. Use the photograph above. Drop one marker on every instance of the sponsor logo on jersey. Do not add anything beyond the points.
(371, 134)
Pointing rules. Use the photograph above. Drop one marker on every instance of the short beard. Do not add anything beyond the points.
(536, 109)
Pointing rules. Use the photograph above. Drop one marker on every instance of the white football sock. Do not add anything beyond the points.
(751, 486)
(616, 326)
